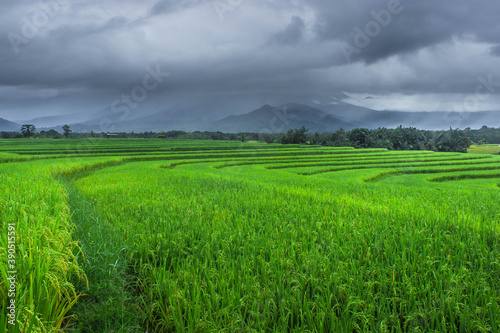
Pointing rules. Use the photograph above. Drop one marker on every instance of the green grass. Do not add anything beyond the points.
(188, 236)
(484, 149)
(108, 301)
(45, 250)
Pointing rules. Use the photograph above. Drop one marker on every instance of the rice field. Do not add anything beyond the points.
(484, 149)
(140, 235)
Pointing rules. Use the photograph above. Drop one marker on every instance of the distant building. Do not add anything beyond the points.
(111, 135)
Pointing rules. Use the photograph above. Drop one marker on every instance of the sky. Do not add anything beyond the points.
(209, 59)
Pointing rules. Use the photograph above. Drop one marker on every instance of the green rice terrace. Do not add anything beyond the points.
(140, 235)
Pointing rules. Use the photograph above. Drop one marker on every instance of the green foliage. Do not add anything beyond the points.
(394, 139)
(401, 139)
(10, 135)
(243, 137)
(66, 131)
(485, 135)
(359, 137)
(28, 130)
(53, 134)
(338, 139)
(452, 141)
(295, 136)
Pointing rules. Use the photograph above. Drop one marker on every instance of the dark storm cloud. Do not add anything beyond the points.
(60, 56)
(495, 50)
(292, 34)
(413, 25)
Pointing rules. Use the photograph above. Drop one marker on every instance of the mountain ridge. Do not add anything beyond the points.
(276, 119)
(9, 126)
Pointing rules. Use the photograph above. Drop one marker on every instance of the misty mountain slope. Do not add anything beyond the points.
(106, 121)
(55, 121)
(269, 119)
(363, 117)
(348, 112)
(277, 119)
(8, 126)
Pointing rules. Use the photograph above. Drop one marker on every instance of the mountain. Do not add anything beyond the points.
(269, 119)
(107, 121)
(363, 117)
(316, 117)
(54, 121)
(8, 126)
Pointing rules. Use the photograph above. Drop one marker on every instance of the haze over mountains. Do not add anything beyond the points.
(8, 126)
(271, 119)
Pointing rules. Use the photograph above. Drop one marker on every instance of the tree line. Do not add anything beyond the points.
(400, 138)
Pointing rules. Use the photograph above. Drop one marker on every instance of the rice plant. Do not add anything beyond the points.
(188, 236)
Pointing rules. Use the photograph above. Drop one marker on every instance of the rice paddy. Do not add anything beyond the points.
(484, 149)
(139, 235)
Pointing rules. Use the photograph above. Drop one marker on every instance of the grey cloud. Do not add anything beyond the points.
(72, 32)
(420, 24)
(163, 6)
(168, 6)
(292, 34)
(495, 50)
(270, 52)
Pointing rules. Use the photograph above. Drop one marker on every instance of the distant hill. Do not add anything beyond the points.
(106, 120)
(276, 119)
(363, 117)
(330, 117)
(53, 121)
(269, 119)
(8, 126)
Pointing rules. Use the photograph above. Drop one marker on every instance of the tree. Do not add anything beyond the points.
(67, 131)
(359, 137)
(51, 134)
(296, 136)
(452, 141)
(339, 139)
(28, 130)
